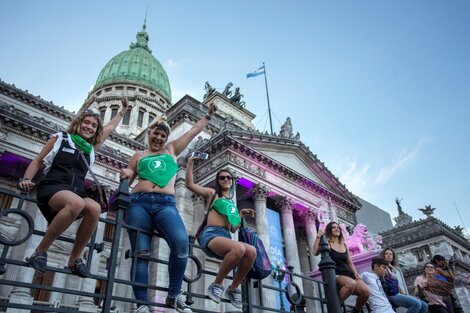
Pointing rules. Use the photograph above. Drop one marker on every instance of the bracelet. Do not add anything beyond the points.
(208, 117)
(24, 179)
(122, 113)
(318, 237)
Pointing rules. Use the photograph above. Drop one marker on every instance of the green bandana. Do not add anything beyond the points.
(226, 207)
(158, 168)
(81, 143)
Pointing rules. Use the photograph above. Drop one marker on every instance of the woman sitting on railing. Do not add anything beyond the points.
(61, 195)
(395, 294)
(153, 207)
(427, 289)
(348, 280)
(223, 217)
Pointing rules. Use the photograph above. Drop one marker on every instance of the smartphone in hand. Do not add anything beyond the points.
(201, 155)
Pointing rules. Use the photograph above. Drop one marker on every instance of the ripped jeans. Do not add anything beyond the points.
(157, 211)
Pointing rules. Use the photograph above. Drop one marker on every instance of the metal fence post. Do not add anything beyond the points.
(122, 202)
(327, 267)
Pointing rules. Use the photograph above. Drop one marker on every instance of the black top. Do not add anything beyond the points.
(341, 260)
(68, 167)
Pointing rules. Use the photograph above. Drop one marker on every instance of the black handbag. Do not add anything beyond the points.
(96, 191)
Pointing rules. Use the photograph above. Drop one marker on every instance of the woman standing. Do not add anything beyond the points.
(223, 217)
(61, 194)
(435, 302)
(153, 207)
(395, 294)
(347, 279)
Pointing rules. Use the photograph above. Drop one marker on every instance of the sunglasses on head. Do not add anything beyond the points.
(225, 177)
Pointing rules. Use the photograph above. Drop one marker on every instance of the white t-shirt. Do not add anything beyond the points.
(378, 299)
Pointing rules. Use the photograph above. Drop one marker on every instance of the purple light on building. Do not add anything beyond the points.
(245, 183)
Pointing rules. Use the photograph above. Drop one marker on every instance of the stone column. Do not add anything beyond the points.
(87, 304)
(24, 274)
(305, 268)
(199, 209)
(262, 229)
(311, 230)
(290, 239)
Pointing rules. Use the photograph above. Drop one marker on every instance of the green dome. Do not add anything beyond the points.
(137, 65)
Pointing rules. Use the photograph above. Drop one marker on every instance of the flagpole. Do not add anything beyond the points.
(267, 96)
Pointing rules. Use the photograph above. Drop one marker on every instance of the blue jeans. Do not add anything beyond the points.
(413, 304)
(157, 211)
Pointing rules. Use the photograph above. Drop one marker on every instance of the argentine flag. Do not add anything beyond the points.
(257, 72)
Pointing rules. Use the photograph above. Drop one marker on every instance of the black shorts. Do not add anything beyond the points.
(45, 193)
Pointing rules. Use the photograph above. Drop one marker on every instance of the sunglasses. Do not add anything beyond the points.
(225, 177)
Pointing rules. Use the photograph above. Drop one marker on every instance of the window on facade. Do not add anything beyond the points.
(151, 118)
(5, 201)
(140, 118)
(108, 232)
(422, 254)
(114, 111)
(102, 113)
(126, 118)
(45, 279)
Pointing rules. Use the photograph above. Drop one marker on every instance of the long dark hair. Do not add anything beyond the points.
(394, 260)
(329, 232)
(218, 188)
(76, 122)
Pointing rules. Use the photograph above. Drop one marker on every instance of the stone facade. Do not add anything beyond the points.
(416, 242)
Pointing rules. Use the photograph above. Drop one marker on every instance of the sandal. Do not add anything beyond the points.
(38, 261)
(79, 268)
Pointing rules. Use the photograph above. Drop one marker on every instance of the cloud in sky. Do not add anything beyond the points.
(361, 179)
(170, 63)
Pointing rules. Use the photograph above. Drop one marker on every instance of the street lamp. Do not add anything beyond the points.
(278, 276)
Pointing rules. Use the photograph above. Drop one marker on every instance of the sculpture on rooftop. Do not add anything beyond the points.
(428, 211)
(227, 92)
(209, 90)
(236, 98)
(286, 129)
(398, 202)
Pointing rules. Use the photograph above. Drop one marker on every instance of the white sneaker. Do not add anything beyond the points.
(143, 309)
(235, 297)
(215, 291)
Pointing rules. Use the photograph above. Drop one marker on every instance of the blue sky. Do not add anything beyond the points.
(379, 90)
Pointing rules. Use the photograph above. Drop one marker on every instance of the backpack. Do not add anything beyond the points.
(261, 267)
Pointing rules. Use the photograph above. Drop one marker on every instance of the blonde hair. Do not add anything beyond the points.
(160, 123)
(77, 121)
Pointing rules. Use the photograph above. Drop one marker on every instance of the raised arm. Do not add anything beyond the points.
(131, 170)
(27, 181)
(316, 244)
(112, 124)
(179, 144)
(189, 181)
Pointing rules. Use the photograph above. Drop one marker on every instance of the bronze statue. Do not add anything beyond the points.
(398, 202)
(209, 90)
(237, 97)
(227, 92)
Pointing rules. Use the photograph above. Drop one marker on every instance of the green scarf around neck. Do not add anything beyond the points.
(81, 143)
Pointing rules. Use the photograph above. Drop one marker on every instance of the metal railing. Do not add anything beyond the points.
(324, 298)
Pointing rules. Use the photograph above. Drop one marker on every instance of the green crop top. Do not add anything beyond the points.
(226, 207)
(158, 168)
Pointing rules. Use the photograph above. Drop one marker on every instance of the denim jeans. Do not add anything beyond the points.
(413, 304)
(156, 211)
